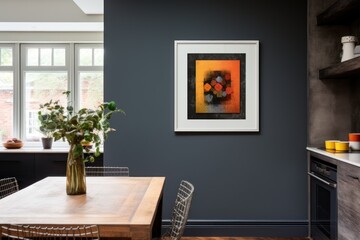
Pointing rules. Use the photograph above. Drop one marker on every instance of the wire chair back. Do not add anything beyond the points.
(29, 232)
(107, 171)
(180, 211)
(8, 186)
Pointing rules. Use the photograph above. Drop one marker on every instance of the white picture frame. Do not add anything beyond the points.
(187, 117)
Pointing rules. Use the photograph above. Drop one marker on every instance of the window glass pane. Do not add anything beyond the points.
(91, 89)
(33, 57)
(59, 56)
(98, 57)
(45, 56)
(40, 87)
(86, 57)
(6, 105)
(6, 57)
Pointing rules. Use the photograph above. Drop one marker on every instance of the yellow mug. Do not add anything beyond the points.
(342, 146)
(330, 144)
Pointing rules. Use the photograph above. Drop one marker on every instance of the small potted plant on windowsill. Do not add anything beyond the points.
(49, 121)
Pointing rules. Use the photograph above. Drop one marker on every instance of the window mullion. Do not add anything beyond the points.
(89, 69)
(93, 57)
(39, 57)
(7, 68)
(72, 77)
(45, 69)
(52, 56)
(17, 92)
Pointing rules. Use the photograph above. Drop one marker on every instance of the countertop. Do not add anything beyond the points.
(352, 158)
(39, 150)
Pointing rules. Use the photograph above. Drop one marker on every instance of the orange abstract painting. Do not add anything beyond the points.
(217, 86)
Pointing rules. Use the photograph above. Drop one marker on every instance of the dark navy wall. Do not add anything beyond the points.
(239, 177)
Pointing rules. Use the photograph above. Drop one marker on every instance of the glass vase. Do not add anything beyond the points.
(75, 174)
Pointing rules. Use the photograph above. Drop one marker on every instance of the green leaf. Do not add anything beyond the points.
(97, 152)
(112, 106)
(78, 151)
(67, 93)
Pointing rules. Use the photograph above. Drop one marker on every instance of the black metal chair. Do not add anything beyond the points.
(107, 171)
(29, 232)
(180, 211)
(8, 186)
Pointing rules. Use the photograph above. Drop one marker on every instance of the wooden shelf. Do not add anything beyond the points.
(341, 12)
(347, 69)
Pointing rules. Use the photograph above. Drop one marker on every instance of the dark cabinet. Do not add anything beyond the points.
(50, 165)
(55, 164)
(348, 195)
(348, 201)
(20, 166)
(31, 167)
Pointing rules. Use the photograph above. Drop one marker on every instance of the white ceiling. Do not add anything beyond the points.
(51, 27)
(51, 16)
(91, 6)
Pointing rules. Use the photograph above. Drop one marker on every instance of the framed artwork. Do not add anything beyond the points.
(216, 86)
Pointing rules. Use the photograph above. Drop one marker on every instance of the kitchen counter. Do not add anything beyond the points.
(352, 158)
(34, 150)
(39, 150)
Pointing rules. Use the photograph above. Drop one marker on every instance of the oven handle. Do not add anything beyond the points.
(333, 185)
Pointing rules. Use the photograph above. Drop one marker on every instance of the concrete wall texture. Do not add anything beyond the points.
(333, 104)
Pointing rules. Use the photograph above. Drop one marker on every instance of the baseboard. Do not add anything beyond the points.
(244, 228)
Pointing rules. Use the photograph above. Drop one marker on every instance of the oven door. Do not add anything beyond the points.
(323, 209)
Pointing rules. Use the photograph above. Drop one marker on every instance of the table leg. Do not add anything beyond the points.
(156, 231)
(140, 233)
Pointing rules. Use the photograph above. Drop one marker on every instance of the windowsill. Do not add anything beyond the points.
(40, 150)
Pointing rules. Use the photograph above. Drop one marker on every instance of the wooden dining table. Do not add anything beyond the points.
(122, 207)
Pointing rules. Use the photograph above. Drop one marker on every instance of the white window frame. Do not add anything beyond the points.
(16, 93)
(24, 68)
(79, 69)
(72, 66)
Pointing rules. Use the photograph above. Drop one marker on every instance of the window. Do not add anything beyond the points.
(42, 72)
(89, 73)
(32, 123)
(7, 80)
(45, 72)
